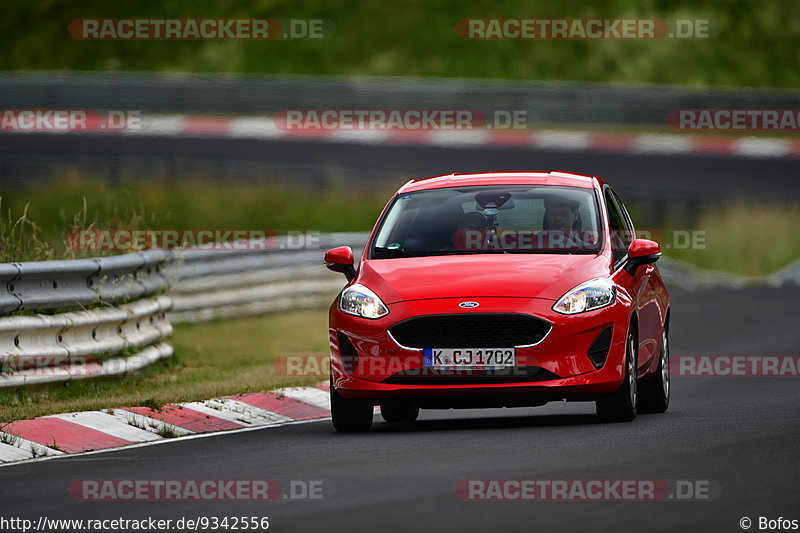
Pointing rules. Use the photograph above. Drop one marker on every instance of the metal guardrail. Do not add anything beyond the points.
(108, 318)
(212, 284)
(126, 325)
(46, 348)
(46, 285)
(549, 102)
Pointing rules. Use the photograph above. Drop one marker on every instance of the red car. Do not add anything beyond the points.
(499, 290)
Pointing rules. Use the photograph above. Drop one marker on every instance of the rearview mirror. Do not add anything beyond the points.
(641, 252)
(341, 260)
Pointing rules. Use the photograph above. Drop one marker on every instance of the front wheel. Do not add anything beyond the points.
(621, 405)
(349, 415)
(655, 393)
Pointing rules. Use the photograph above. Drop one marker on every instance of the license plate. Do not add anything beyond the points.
(469, 357)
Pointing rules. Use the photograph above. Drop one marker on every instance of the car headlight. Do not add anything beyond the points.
(360, 301)
(593, 294)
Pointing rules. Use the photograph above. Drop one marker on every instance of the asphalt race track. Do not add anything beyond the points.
(740, 433)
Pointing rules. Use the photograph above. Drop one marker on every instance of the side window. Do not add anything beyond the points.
(621, 233)
(625, 216)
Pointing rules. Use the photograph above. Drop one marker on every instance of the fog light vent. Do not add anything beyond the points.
(598, 351)
(347, 352)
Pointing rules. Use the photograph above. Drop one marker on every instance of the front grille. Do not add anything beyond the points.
(470, 330)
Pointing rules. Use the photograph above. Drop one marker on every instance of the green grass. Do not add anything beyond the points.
(35, 226)
(758, 43)
(211, 360)
(747, 238)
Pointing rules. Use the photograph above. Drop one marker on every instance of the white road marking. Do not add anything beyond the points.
(755, 147)
(108, 424)
(360, 136)
(254, 128)
(28, 447)
(662, 144)
(149, 424)
(238, 412)
(255, 415)
(169, 125)
(9, 452)
(458, 137)
(311, 395)
(562, 140)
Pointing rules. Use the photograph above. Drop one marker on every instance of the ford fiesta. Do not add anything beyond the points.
(499, 290)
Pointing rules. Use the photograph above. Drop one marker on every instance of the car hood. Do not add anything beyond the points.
(546, 276)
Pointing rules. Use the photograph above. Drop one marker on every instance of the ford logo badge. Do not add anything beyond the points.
(468, 305)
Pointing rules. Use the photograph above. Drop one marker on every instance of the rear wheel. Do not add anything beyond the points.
(350, 415)
(399, 413)
(655, 393)
(620, 406)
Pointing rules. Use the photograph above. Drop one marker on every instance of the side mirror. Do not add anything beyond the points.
(341, 260)
(641, 252)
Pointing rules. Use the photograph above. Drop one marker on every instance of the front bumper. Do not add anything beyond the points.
(366, 360)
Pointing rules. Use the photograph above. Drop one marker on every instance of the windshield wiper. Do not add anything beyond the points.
(394, 251)
(400, 252)
(467, 252)
(569, 251)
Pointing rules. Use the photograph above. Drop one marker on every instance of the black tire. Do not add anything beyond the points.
(350, 416)
(621, 406)
(399, 413)
(654, 395)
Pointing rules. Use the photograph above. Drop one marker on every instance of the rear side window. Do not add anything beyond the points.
(619, 224)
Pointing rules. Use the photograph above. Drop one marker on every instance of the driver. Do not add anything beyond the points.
(560, 214)
(473, 221)
(471, 234)
(561, 224)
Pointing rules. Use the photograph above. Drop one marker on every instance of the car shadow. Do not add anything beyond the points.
(487, 423)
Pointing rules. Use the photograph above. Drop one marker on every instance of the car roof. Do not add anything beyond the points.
(555, 178)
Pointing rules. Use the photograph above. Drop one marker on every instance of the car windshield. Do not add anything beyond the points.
(490, 219)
